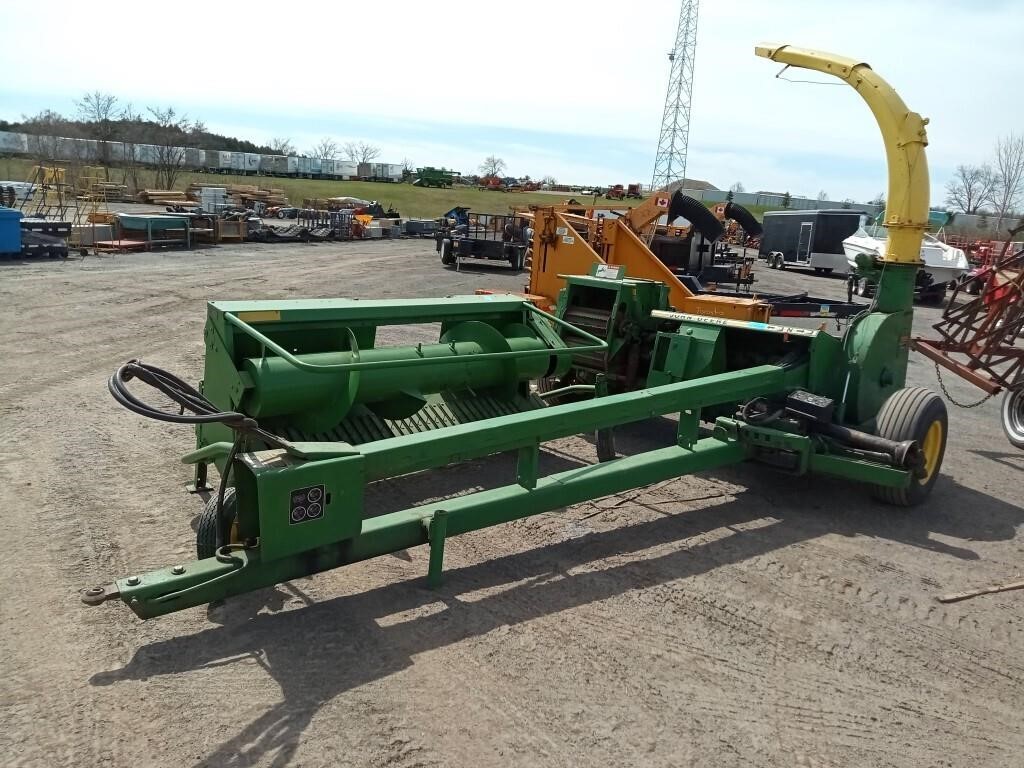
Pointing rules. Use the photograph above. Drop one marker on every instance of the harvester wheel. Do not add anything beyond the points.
(1013, 417)
(917, 414)
(206, 530)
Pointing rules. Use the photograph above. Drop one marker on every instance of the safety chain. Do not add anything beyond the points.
(985, 399)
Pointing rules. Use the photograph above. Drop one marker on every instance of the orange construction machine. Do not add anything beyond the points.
(571, 243)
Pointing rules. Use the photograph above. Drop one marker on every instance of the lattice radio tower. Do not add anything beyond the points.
(670, 161)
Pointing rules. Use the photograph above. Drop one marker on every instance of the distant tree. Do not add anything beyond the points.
(822, 195)
(878, 200)
(492, 166)
(729, 196)
(737, 187)
(131, 133)
(282, 146)
(847, 202)
(970, 188)
(549, 181)
(327, 149)
(361, 152)
(1008, 181)
(787, 200)
(408, 169)
(99, 112)
(47, 133)
(169, 132)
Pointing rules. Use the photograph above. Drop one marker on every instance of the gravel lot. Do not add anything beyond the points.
(737, 617)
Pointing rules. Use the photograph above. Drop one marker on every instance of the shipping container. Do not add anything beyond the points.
(315, 165)
(364, 171)
(251, 163)
(116, 152)
(147, 154)
(193, 158)
(346, 169)
(13, 143)
(302, 165)
(268, 164)
(327, 168)
(218, 161)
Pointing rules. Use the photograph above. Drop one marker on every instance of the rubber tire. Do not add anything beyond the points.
(515, 259)
(446, 252)
(907, 415)
(206, 530)
(1012, 419)
(826, 270)
(863, 288)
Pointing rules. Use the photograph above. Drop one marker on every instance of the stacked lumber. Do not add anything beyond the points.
(161, 196)
(243, 195)
(106, 191)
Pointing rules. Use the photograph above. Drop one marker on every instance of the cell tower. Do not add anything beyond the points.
(670, 161)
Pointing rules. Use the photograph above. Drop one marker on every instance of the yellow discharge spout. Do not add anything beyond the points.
(903, 132)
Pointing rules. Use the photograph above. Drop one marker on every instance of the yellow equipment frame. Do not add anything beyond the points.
(570, 244)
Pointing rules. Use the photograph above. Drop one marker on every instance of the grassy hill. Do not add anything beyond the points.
(410, 201)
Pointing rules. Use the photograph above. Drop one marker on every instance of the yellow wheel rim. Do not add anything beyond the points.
(931, 447)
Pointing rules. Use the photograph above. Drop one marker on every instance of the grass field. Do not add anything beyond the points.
(410, 201)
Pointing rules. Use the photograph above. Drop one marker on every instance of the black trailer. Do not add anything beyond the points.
(486, 236)
(808, 239)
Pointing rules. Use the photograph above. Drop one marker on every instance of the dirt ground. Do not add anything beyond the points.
(737, 617)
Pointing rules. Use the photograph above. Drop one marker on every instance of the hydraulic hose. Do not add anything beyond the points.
(195, 408)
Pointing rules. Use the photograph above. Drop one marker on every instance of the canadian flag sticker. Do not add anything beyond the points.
(662, 202)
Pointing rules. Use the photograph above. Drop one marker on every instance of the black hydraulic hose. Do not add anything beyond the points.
(184, 394)
(195, 408)
(221, 537)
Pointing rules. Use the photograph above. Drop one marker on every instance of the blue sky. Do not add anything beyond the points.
(551, 89)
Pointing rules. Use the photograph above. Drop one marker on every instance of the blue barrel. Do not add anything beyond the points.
(10, 230)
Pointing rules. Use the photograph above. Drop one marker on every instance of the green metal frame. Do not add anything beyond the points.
(313, 367)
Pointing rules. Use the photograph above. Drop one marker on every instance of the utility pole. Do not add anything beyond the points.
(670, 160)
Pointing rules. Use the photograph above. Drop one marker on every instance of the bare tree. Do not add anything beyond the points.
(327, 149)
(1008, 183)
(737, 187)
(492, 166)
(132, 130)
(360, 151)
(168, 131)
(407, 165)
(46, 134)
(822, 196)
(99, 111)
(787, 200)
(549, 181)
(970, 188)
(282, 145)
